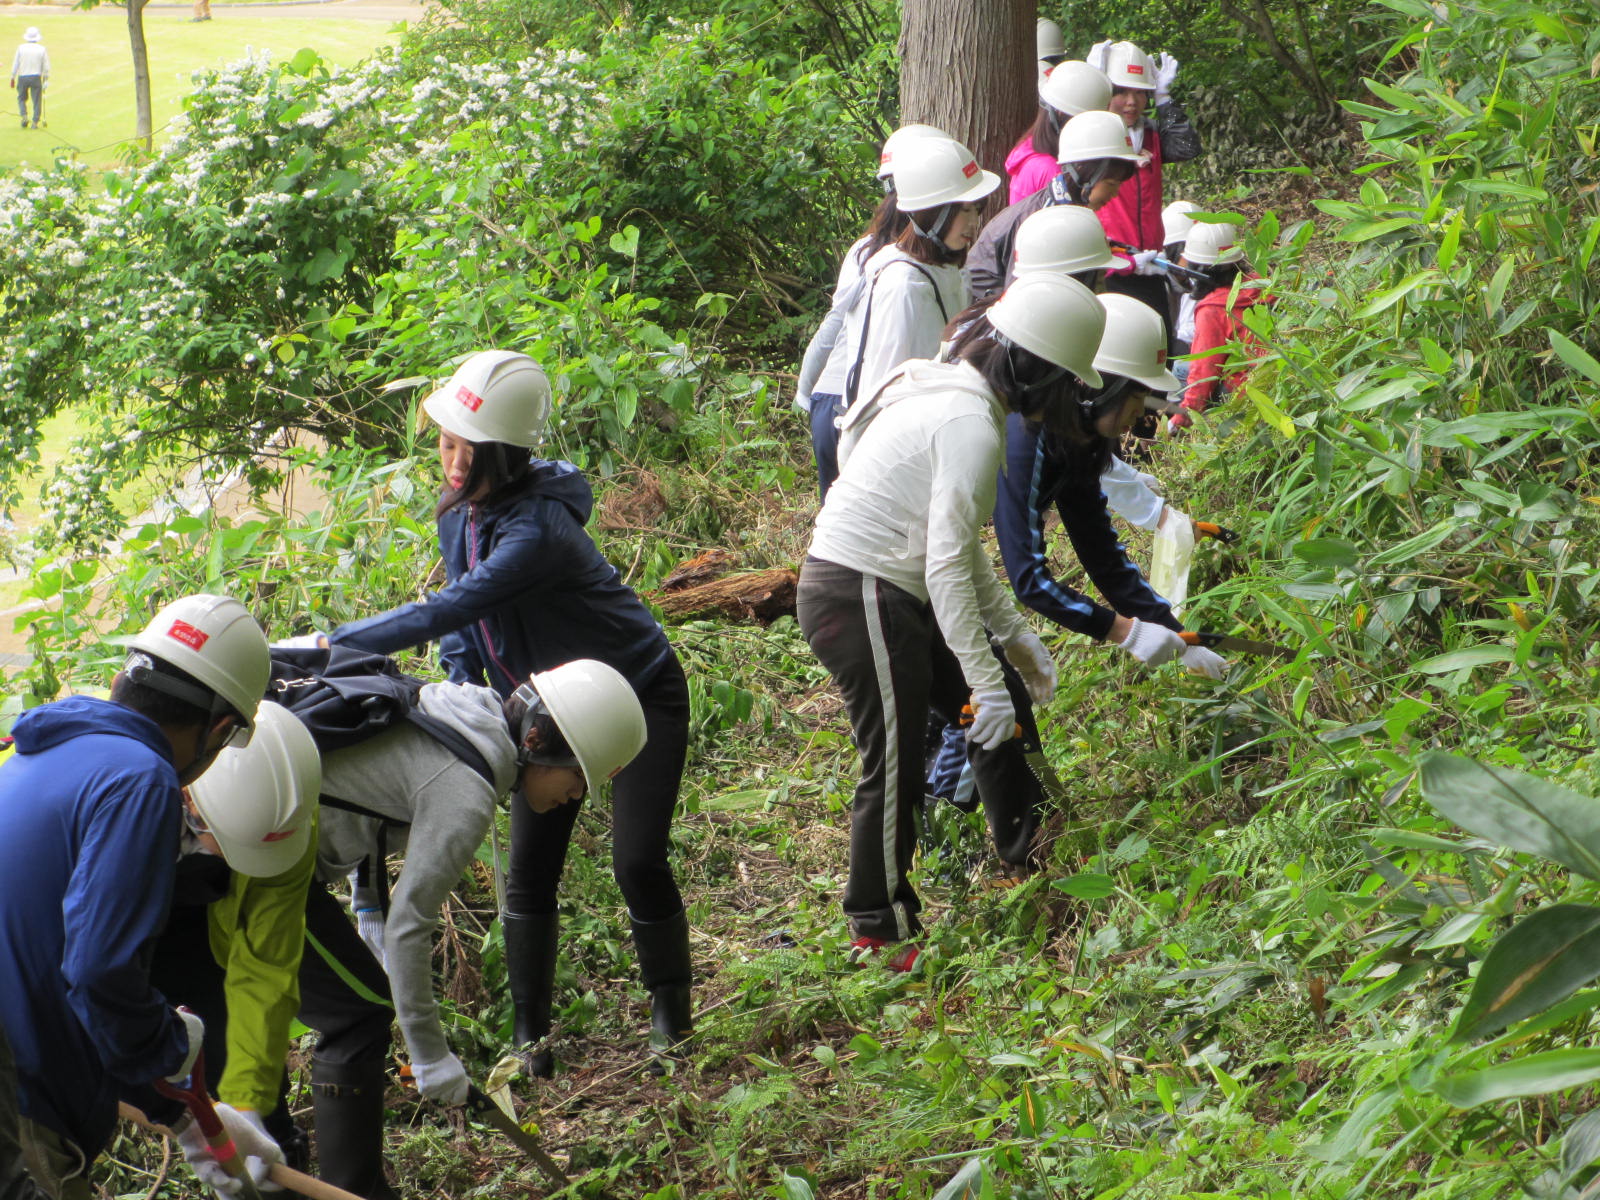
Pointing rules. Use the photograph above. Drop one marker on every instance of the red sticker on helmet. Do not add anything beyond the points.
(469, 399)
(278, 837)
(1224, 249)
(885, 157)
(970, 169)
(1135, 69)
(1161, 357)
(187, 634)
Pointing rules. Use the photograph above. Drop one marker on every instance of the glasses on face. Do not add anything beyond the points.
(192, 820)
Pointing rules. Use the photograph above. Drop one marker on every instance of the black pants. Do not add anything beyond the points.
(15, 1182)
(26, 85)
(886, 653)
(643, 797)
(352, 1026)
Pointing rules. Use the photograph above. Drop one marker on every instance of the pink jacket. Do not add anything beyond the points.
(1029, 170)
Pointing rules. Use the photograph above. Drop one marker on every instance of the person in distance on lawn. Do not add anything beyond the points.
(92, 809)
(30, 73)
(528, 590)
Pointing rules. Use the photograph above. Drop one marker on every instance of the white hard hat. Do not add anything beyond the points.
(1047, 39)
(1176, 221)
(1134, 344)
(32, 35)
(1056, 318)
(259, 801)
(1210, 245)
(1074, 87)
(1127, 66)
(1094, 135)
(898, 140)
(215, 641)
(1064, 237)
(934, 171)
(494, 396)
(596, 710)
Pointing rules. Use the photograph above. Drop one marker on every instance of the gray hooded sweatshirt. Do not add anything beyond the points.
(436, 805)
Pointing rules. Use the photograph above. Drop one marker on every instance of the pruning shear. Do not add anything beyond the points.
(1225, 641)
(1208, 529)
(197, 1100)
(1032, 754)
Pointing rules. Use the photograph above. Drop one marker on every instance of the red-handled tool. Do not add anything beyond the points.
(1224, 641)
(198, 1101)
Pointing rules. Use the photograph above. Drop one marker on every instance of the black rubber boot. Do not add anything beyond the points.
(531, 973)
(347, 1108)
(664, 967)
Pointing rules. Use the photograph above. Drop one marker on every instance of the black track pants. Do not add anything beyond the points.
(348, 1005)
(643, 797)
(886, 655)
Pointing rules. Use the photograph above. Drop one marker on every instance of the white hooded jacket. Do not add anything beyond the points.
(916, 486)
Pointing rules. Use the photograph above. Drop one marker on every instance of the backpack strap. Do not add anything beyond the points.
(453, 741)
(852, 381)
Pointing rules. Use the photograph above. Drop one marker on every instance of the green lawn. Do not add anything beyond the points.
(89, 102)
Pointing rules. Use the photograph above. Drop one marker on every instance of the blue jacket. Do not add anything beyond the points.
(92, 814)
(1039, 472)
(528, 591)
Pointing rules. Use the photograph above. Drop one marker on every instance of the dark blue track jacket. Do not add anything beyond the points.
(1040, 473)
(528, 591)
(91, 814)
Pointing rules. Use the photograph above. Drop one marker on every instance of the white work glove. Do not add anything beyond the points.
(994, 718)
(1153, 644)
(1205, 662)
(1028, 655)
(196, 1029)
(1166, 73)
(1151, 482)
(369, 924)
(251, 1140)
(443, 1082)
(306, 641)
(1144, 262)
(1097, 54)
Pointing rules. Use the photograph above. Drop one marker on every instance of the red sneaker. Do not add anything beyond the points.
(895, 956)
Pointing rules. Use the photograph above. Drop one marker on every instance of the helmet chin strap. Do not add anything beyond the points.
(946, 215)
(1020, 390)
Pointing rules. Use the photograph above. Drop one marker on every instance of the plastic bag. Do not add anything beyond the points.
(1169, 564)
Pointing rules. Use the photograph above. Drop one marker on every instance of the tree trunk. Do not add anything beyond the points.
(967, 66)
(144, 128)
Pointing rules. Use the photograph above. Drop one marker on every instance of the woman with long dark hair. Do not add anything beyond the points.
(824, 367)
(910, 288)
(896, 595)
(528, 590)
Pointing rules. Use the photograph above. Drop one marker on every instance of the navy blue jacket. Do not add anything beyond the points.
(91, 814)
(1040, 473)
(528, 591)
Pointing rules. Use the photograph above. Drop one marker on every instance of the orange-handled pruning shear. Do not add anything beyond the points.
(1224, 641)
(1208, 529)
(1033, 754)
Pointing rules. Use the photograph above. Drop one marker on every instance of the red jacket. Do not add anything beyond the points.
(1215, 325)
(1133, 216)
